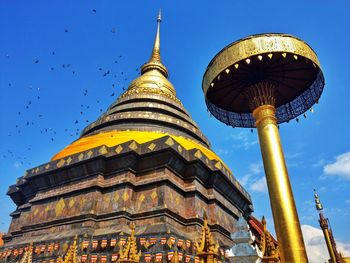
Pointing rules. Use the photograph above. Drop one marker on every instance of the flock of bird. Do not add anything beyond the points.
(27, 117)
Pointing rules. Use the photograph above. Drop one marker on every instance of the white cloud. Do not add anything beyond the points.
(259, 185)
(246, 140)
(319, 163)
(253, 170)
(340, 168)
(256, 168)
(316, 247)
(244, 180)
(255, 178)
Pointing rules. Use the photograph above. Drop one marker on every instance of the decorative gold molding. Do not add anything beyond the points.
(264, 115)
(136, 90)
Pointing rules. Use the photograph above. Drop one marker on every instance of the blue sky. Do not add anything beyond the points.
(41, 101)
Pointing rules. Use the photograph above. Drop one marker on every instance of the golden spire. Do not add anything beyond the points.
(72, 254)
(153, 79)
(129, 253)
(319, 206)
(27, 257)
(207, 249)
(156, 47)
(155, 61)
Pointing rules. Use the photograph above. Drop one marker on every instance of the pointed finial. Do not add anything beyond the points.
(319, 206)
(206, 245)
(263, 221)
(156, 47)
(129, 253)
(205, 216)
(132, 227)
(159, 18)
(155, 61)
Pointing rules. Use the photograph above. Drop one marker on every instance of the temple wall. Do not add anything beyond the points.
(104, 203)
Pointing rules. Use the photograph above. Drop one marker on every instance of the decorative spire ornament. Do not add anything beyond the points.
(130, 254)
(267, 246)
(207, 248)
(155, 61)
(72, 254)
(27, 257)
(335, 257)
(154, 74)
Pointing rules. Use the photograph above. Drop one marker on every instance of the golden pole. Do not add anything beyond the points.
(327, 237)
(329, 245)
(290, 239)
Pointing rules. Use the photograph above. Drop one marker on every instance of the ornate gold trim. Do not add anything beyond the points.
(252, 46)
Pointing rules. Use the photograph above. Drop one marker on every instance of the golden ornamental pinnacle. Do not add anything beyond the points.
(153, 79)
(72, 254)
(267, 245)
(318, 203)
(129, 253)
(155, 61)
(28, 255)
(207, 249)
(272, 79)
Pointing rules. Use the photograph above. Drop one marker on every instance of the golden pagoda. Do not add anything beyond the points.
(144, 161)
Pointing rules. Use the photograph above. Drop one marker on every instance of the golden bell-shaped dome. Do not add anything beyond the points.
(154, 82)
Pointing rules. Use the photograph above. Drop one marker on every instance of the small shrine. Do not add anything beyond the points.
(245, 249)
